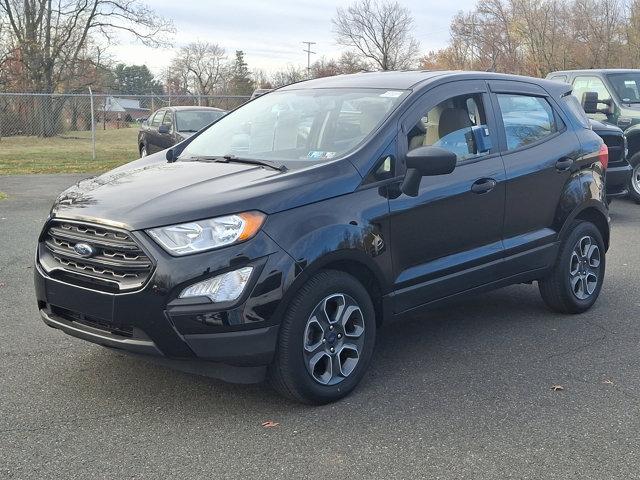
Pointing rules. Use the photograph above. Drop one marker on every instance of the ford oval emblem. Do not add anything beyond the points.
(84, 250)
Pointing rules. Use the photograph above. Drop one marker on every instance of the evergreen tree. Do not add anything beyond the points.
(241, 82)
(135, 80)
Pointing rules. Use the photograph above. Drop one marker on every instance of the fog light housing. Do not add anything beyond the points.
(223, 288)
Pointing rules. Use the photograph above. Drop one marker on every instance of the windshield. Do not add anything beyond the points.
(310, 125)
(626, 85)
(195, 120)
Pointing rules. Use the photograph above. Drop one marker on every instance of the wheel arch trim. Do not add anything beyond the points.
(354, 262)
(591, 211)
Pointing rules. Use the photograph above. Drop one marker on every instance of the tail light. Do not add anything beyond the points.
(603, 156)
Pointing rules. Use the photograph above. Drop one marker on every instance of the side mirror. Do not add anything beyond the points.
(426, 162)
(164, 129)
(590, 102)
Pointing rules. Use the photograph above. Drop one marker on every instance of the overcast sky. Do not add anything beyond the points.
(271, 32)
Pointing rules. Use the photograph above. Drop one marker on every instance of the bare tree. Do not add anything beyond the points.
(324, 67)
(6, 49)
(52, 35)
(632, 33)
(350, 62)
(380, 31)
(534, 37)
(52, 40)
(260, 78)
(200, 68)
(287, 76)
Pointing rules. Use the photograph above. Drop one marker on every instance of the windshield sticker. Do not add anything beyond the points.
(315, 154)
(391, 94)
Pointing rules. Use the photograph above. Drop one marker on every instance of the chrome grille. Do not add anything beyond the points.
(118, 264)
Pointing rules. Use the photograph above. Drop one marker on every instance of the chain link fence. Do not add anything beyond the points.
(53, 132)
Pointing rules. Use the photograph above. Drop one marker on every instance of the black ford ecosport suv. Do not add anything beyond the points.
(278, 240)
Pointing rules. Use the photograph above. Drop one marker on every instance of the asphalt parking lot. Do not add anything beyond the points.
(464, 392)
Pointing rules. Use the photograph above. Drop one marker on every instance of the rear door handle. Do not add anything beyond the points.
(564, 164)
(484, 185)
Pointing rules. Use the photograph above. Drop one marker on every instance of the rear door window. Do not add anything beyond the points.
(526, 119)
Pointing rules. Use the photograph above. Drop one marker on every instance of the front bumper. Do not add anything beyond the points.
(153, 322)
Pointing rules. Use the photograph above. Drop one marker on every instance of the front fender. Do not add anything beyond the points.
(346, 232)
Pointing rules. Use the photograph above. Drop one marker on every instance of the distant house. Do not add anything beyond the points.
(124, 109)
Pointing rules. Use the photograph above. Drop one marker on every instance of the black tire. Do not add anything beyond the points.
(143, 150)
(556, 288)
(634, 181)
(289, 374)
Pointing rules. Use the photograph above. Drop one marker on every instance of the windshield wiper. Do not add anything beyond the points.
(232, 158)
(191, 130)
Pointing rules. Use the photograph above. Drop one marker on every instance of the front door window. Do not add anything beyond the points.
(450, 125)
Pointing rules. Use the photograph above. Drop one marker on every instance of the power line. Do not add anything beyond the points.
(309, 52)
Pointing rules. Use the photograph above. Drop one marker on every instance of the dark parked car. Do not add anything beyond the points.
(279, 240)
(171, 125)
(612, 96)
(258, 92)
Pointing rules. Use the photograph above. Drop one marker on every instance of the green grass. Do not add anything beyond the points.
(68, 154)
(3, 196)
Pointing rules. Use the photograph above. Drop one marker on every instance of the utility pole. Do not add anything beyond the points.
(93, 128)
(309, 53)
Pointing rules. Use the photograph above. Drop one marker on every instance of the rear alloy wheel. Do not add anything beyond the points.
(575, 282)
(584, 269)
(634, 183)
(326, 339)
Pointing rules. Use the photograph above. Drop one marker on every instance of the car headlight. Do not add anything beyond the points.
(223, 288)
(193, 237)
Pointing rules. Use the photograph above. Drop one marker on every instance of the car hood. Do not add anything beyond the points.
(151, 192)
(632, 107)
(604, 127)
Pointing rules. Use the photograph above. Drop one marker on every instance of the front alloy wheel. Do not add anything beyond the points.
(333, 339)
(326, 339)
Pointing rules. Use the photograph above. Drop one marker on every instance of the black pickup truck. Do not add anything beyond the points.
(619, 170)
(611, 96)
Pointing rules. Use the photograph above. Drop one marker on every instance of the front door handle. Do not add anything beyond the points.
(484, 185)
(564, 164)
